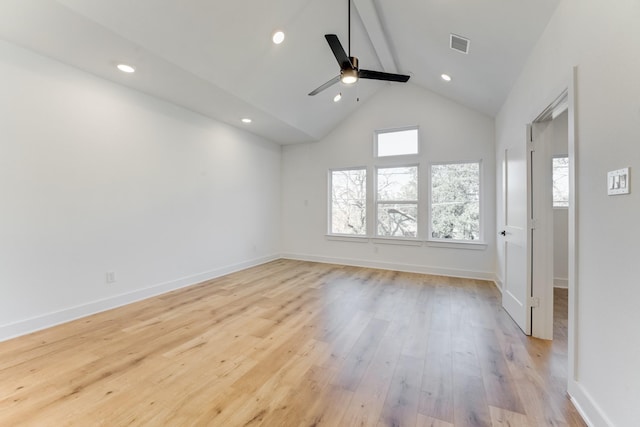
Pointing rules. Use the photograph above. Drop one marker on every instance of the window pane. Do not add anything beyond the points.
(561, 182)
(397, 143)
(455, 201)
(398, 184)
(349, 202)
(398, 220)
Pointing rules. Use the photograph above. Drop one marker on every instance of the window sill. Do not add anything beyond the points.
(396, 241)
(476, 246)
(376, 240)
(456, 244)
(347, 238)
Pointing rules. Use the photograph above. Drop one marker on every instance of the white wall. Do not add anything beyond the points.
(559, 147)
(95, 177)
(448, 132)
(601, 38)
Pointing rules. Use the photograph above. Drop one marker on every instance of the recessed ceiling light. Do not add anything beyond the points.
(246, 120)
(126, 68)
(337, 98)
(446, 77)
(278, 37)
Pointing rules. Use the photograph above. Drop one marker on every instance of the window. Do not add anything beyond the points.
(397, 202)
(348, 201)
(455, 201)
(397, 142)
(561, 182)
(397, 213)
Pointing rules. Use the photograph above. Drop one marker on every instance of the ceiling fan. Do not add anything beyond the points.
(349, 70)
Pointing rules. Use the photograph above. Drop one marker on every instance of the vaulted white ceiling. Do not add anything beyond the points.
(216, 57)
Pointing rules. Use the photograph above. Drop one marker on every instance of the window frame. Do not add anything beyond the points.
(377, 132)
(330, 203)
(481, 222)
(377, 202)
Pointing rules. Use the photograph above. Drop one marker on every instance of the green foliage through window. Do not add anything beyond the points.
(397, 202)
(455, 201)
(349, 201)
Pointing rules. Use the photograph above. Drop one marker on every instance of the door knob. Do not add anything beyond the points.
(503, 232)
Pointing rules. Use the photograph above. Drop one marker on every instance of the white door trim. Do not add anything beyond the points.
(573, 231)
(570, 85)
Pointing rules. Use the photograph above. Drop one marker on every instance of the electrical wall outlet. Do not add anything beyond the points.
(111, 277)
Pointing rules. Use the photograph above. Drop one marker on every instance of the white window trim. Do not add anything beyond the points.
(354, 238)
(407, 241)
(376, 202)
(473, 244)
(391, 130)
(424, 226)
(350, 237)
(398, 241)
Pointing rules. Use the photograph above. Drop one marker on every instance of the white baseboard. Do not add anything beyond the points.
(498, 282)
(48, 320)
(586, 406)
(409, 268)
(559, 282)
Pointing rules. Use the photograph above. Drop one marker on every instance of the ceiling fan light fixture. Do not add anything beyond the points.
(446, 77)
(350, 71)
(338, 97)
(349, 76)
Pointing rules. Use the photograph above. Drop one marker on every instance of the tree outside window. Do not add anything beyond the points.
(397, 202)
(455, 201)
(348, 202)
(560, 179)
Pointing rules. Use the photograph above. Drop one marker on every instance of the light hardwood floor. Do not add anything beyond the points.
(293, 343)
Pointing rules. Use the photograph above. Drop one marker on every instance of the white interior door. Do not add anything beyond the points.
(541, 237)
(515, 234)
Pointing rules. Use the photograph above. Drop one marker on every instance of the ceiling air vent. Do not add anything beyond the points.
(459, 43)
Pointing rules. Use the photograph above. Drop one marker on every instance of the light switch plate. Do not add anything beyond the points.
(618, 182)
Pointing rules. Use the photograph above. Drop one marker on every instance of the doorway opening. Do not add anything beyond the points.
(554, 214)
(550, 202)
(526, 242)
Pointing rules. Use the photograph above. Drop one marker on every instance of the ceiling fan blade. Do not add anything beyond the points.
(319, 89)
(379, 75)
(338, 51)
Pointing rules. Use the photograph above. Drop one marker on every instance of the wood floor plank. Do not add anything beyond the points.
(425, 421)
(401, 406)
(369, 398)
(436, 394)
(470, 404)
(499, 387)
(470, 399)
(293, 343)
(360, 356)
(503, 417)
